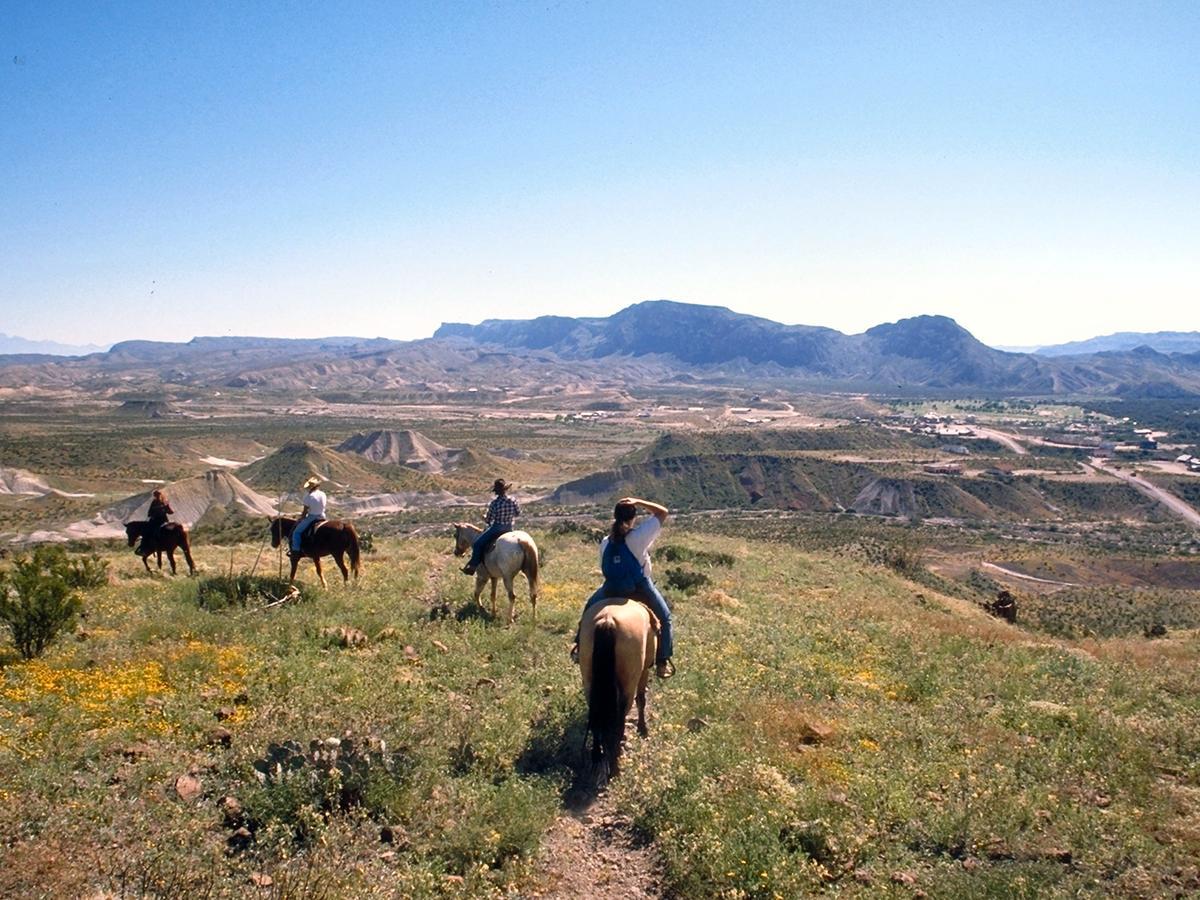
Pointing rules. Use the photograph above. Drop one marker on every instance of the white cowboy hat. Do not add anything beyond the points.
(312, 481)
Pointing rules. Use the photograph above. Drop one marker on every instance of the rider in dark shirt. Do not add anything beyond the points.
(160, 509)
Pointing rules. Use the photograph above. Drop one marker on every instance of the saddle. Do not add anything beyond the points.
(307, 534)
(152, 535)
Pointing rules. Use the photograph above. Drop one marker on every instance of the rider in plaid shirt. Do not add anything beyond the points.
(500, 515)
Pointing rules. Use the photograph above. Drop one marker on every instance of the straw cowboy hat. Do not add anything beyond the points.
(500, 485)
(312, 482)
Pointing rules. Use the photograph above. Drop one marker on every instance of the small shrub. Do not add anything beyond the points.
(366, 542)
(675, 553)
(302, 788)
(222, 591)
(587, 533)
(87, 572)
(983, 584)
(903, 554)
(39, 598)
(687, 581)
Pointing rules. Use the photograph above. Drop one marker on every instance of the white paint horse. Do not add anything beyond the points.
(512, 553)
(618, 640)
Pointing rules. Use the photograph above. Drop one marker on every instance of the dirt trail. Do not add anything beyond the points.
(593, 852)
(1013, 573)
(1004, 438)
(1154, 492)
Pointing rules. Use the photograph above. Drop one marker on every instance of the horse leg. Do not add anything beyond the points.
(480, 581)
(158, 556)
(292, 577)
(493, 598)
(512, 598)
(317, 563)
(643, 731)
(187, 554)
(340, 559)
(146, 563)
(170, 559)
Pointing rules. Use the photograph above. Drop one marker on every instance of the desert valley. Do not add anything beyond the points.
(936, 611)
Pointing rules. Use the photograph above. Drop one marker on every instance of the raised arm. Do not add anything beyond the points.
(659, 511)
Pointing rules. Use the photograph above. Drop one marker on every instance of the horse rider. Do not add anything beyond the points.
(625, 562)
(499, 517)
(314, 511)
(156, 515)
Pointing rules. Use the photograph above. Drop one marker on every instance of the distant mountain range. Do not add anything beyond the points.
(1162, 341)
(652, 343)
(924, 351)
(11, 343)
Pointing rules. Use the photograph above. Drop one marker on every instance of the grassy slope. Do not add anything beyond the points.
(942, 758)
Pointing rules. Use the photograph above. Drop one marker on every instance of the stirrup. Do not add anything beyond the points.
(665, 669)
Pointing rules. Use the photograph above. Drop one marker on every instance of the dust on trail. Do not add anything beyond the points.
(592, 851)
(1004, 570)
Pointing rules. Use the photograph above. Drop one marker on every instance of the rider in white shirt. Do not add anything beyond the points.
(314, 510)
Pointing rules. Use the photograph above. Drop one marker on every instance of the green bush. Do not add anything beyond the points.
(687, 581)
(87, 572)
(39, 598)
(675, 553)
(222, 591)
(301, 788)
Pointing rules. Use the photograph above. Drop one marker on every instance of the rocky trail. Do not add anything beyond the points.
(592, 851)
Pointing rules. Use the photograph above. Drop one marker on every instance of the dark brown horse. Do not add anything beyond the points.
(334, 538)
(170, 536)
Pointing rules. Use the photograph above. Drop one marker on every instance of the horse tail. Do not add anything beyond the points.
(530, 566)
(353, 550)
(606, 705)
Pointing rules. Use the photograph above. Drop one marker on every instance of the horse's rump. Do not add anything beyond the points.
(531, 561)
(617, 644)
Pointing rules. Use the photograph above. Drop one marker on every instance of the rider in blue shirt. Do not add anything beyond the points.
(625, 562)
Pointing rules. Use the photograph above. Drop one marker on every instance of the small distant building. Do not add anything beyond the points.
(1148, 444)
(957, 449)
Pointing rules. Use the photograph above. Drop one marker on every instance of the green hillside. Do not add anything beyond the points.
(848, 438)
(834, 729)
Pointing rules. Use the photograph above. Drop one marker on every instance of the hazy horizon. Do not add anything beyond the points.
(173, 171)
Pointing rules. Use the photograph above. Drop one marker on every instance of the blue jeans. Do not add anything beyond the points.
(647, 593)
(483, 543)
(299, 530)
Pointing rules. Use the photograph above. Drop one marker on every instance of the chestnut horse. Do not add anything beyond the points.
(618, 640)
(170, 536)
(513, 552)
(333, 538)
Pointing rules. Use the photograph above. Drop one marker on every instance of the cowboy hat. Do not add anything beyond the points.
(312, 481)
(500, 485)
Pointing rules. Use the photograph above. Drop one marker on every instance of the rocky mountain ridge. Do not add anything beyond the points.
(651, 343)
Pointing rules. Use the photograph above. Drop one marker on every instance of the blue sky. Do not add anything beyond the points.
(173, 169)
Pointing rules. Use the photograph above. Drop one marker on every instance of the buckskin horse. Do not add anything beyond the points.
(170, 536)
(333, 538)
(618, 640)
(513, 552)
